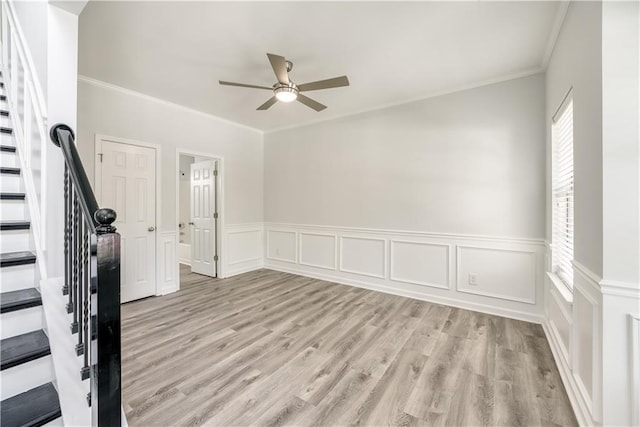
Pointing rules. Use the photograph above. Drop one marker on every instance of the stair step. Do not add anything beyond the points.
(6, 130)
(12, 196)
(15, 225)
(23, 348)
(35, 407)
(8, 148)
(10, 171)
(3, 97)
(4, 113)
(9, 259)
(19, 300)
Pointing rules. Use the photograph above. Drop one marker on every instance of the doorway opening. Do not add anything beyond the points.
(199, 213)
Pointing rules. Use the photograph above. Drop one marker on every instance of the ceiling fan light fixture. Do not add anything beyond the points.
(286, 93)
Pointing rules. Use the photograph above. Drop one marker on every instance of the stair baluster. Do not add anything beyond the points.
(85, 372)
(81, 299)
(67, 234)
(74, 260)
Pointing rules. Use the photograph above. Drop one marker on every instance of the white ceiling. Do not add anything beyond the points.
(392, 52)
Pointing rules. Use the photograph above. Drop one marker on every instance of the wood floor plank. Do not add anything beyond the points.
(436, 385)
(267, 348)
(385, 404)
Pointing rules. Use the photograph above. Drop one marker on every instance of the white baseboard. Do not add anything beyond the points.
(473, 306)
(579, 405)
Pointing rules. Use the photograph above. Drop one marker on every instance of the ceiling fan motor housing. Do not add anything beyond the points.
(285, 92)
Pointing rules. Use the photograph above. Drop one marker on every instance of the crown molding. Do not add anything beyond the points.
(125, 91)
(561, 14)
(475, 85)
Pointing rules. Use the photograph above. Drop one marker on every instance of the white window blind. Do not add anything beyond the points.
(562, 189)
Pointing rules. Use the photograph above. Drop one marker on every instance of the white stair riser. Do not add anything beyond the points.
(11, 184)
(13, 209)
(17, 277)
(16, 240)
(9, 140)
(55, 423)
(8, 159)
(24, 377)
(21, 321)
(5, 122)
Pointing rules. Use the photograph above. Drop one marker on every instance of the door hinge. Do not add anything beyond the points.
(215, 257)
(215, 215)
(100, 154)
(215, 172)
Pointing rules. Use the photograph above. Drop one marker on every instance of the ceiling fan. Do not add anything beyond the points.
(286, 91)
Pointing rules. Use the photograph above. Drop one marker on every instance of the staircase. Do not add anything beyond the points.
(28, 393)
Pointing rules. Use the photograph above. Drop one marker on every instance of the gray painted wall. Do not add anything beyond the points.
(32, 16)
(471, 162)
(577, 63)
(118, 114)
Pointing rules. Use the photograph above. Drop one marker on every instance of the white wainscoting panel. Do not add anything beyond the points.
(420, 263)
(319, 250)
(167, 268)
(635, 367)
(560, 321)
(573, 329)
(365, 256)
(583, 332)
(501, 273)
(244, 246)
(417, 265)
(184, 253)
(281, 245)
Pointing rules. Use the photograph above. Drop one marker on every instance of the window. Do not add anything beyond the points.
(562, 192)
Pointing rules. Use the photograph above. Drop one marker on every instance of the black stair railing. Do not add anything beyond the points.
(92, 283)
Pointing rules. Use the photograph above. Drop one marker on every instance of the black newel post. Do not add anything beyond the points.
(107, 368)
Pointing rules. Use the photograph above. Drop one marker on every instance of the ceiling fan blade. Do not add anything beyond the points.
(243, 85)
(279, 65)
(311, 103)
(324, 84)
(268, 104)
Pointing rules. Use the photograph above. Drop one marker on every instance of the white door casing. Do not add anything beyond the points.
(203, 224)
(127, 175)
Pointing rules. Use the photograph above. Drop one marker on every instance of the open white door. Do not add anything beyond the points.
(127, 184)
(203, 218)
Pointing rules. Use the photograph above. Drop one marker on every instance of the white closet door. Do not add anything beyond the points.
(128, 185)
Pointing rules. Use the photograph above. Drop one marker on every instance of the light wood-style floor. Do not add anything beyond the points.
(268, 348)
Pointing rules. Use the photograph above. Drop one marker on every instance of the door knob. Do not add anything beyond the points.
(152, 228)
(191, 223)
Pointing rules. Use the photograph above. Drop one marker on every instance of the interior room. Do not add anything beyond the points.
(352, 213)
(428, 177)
